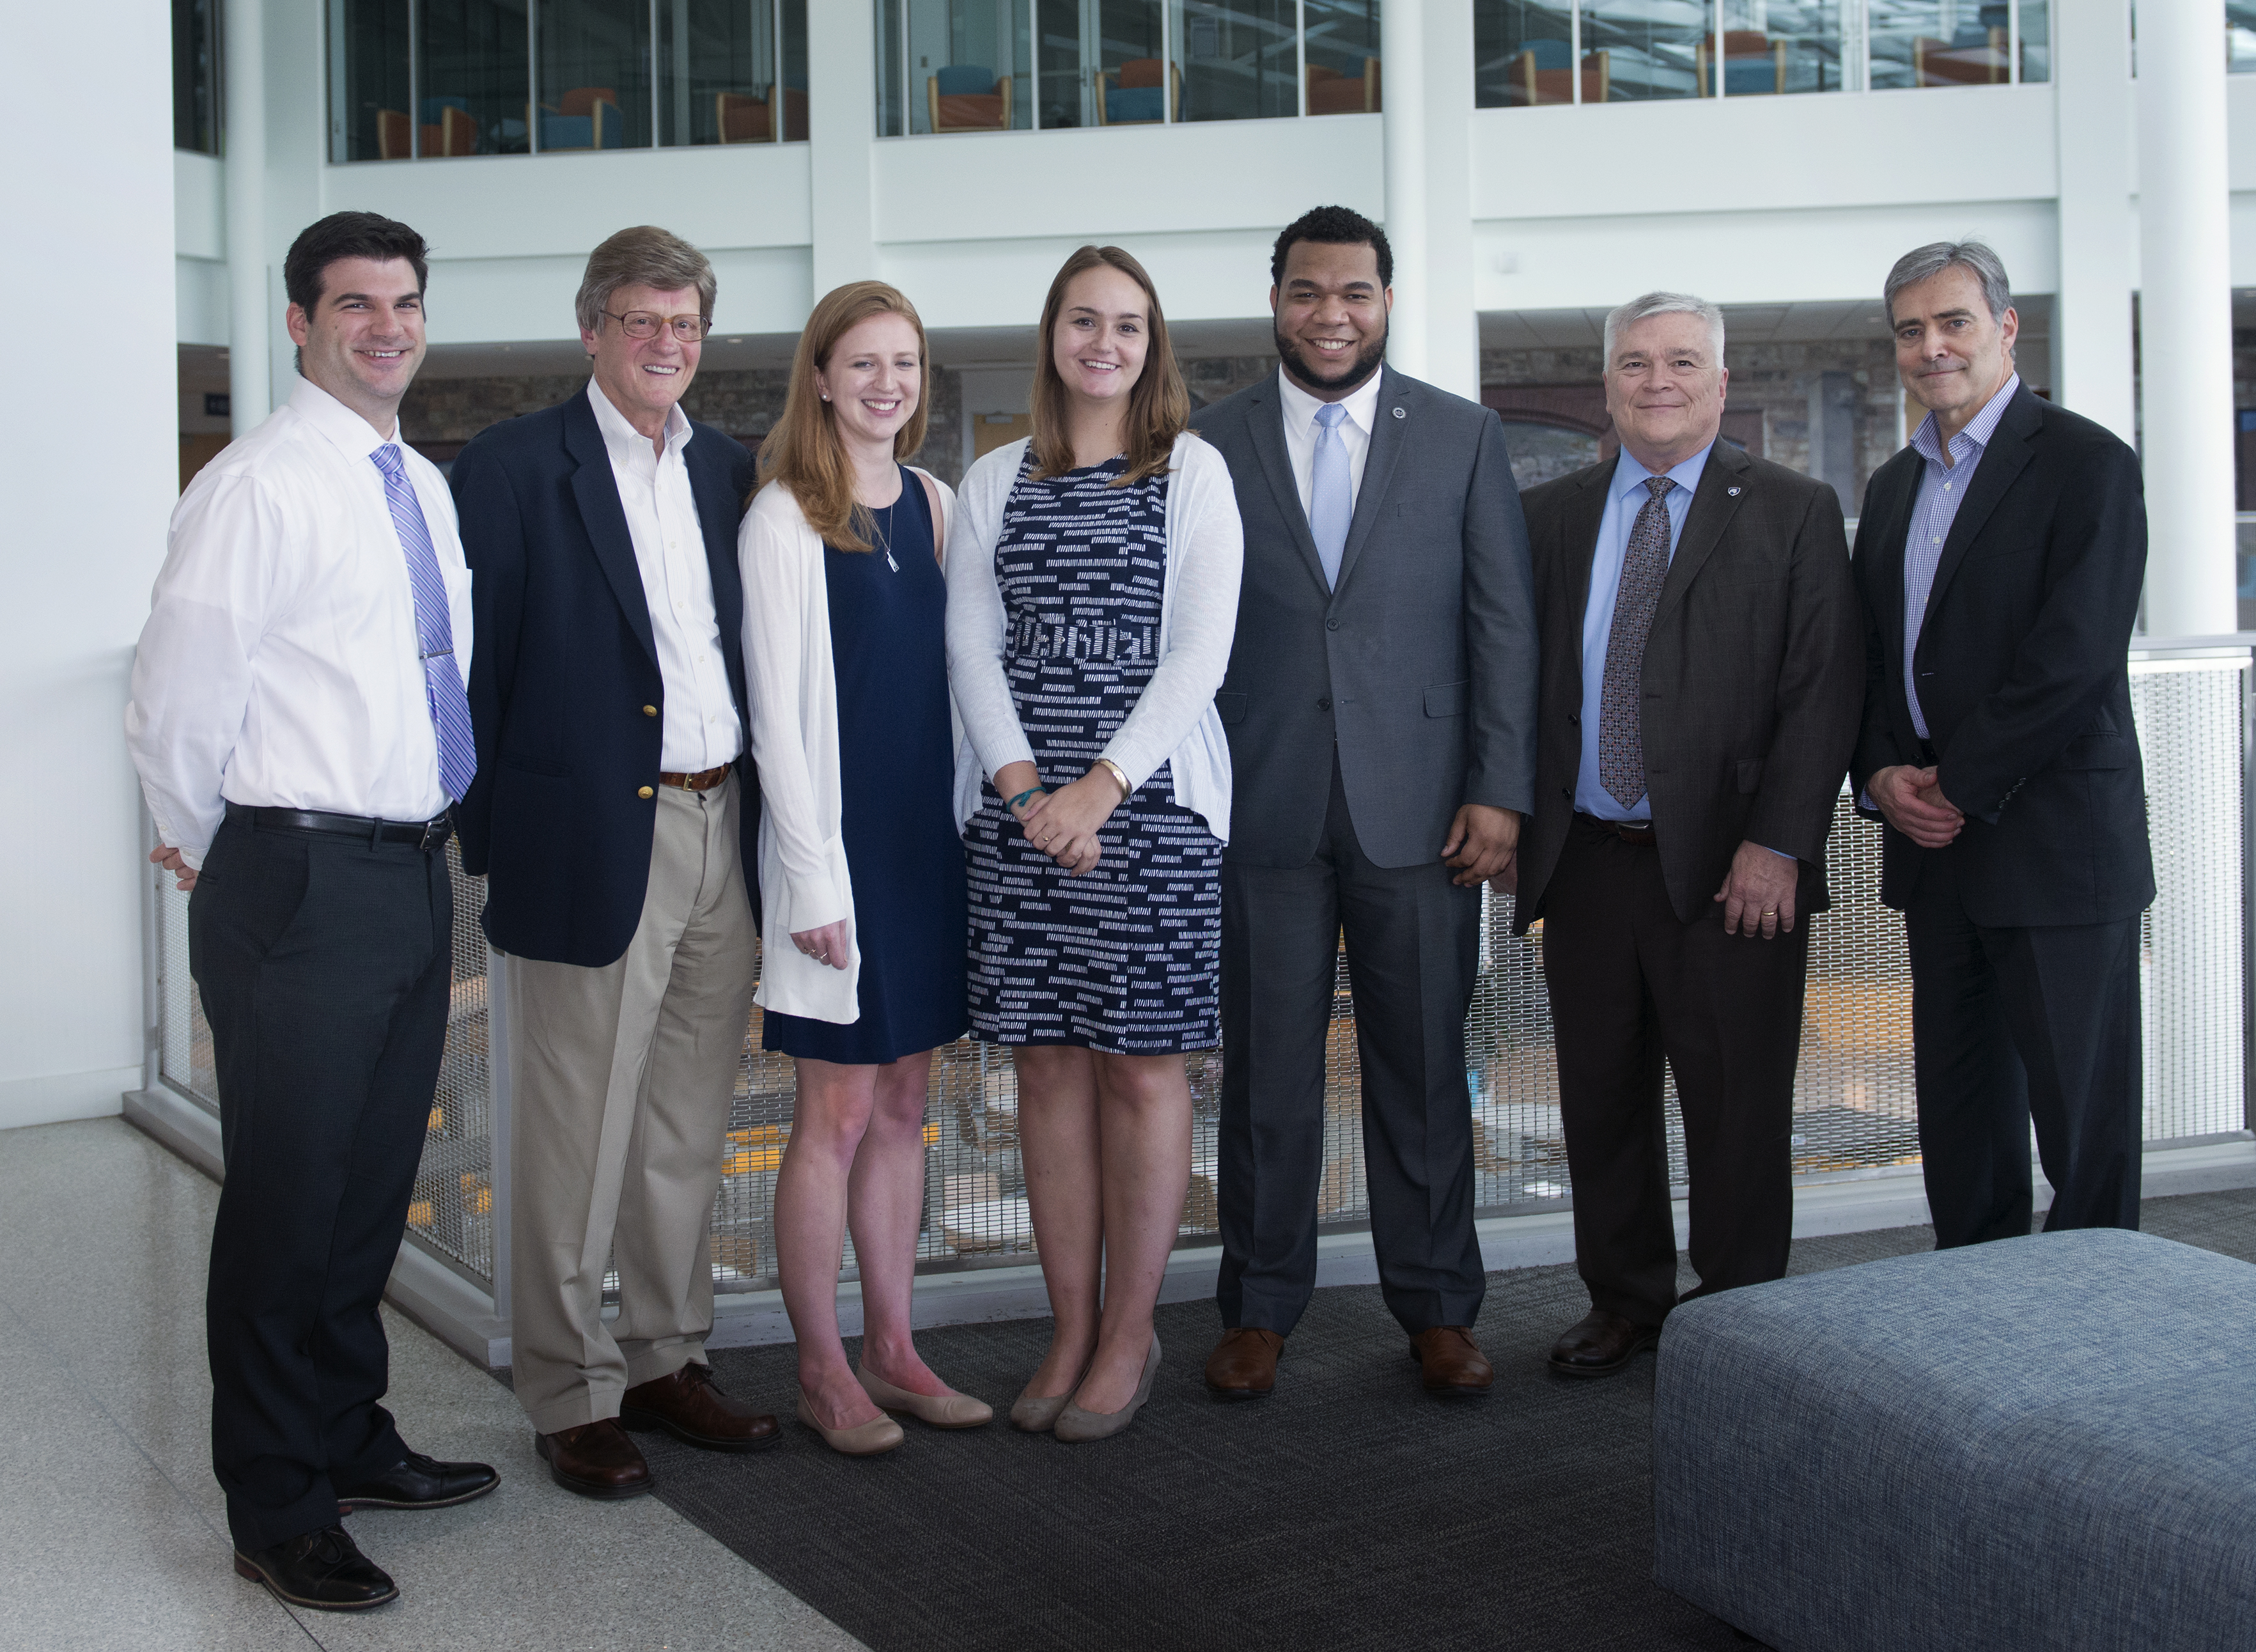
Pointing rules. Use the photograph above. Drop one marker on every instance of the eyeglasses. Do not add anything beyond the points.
(641, 324)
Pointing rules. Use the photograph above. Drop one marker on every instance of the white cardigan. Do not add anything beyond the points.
(791, 684)
(1174, 719)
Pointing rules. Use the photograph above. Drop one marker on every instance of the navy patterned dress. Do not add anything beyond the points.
(1124, 958)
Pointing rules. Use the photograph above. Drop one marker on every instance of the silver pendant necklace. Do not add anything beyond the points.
(885, 535)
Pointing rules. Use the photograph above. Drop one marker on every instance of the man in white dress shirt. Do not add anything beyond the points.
(298, 719)
(613, 818)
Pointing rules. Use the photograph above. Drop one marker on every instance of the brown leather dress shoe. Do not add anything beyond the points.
(596, 1459)
(1453, 1365)
(1244, 1364)
(690, 1406)
(1601, 1344)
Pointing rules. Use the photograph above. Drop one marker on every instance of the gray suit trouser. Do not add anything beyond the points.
(621, 1079)
(1412, 951)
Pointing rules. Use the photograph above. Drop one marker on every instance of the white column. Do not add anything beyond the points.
(1402, 98)
(842, 126)
(249, 382)
(2091, 368)
(2185, 313)
(1452, 326)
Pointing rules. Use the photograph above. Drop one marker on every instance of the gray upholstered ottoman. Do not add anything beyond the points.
(2048, 1444)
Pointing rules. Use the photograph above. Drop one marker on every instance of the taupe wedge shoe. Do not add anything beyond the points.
(863, 1439)
(1077, 1426)
(939, 1410)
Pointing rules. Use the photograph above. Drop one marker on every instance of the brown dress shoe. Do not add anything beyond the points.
(1244, 1364)
(690, 1406)
(1454, 1365)
(596, 1459)
(1601, 1344)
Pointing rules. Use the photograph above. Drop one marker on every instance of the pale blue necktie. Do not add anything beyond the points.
(435, 628)
(1332, 491)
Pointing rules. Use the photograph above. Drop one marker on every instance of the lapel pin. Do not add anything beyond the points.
(1399, 414)
(1733, 492)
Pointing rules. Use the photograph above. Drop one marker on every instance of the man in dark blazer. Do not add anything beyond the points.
(1999, 561)
(1380, 709)
(613, 818)
(1701, 689)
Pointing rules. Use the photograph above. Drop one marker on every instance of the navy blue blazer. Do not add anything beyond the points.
(564, 693)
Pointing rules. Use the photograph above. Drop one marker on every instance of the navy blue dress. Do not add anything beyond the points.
(897, 775)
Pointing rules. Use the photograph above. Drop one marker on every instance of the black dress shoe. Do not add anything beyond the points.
(323, 1569)
(416, 1481)
(1601, 1344)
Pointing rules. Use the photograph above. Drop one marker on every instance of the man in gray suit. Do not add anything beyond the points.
(1380, 706)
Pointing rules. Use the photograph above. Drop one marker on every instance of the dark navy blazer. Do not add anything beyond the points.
(564, 693)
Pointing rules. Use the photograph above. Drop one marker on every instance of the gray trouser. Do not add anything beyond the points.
(621, 1080)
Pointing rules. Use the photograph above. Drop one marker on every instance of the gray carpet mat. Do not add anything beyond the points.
(1347, 1511)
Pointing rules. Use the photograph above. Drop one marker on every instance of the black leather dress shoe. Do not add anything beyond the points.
(416, 1481)
(324, 1569)
(1601, 1344)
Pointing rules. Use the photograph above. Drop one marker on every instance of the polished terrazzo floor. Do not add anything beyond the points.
(113, 1533)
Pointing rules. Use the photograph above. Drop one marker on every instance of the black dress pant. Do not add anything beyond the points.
(1631, 984)
(324, 964)
(2011, 1025)
(1412, 952)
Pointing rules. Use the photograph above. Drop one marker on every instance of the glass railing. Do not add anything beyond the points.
(427, 80)
(991, 66)
(1529, 52)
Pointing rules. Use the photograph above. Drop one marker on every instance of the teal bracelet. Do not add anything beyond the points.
(1032, 791)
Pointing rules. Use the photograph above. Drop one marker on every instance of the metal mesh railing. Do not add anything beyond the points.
(1854, 1103)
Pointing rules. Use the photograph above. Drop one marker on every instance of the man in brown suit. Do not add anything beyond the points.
(1702, 680)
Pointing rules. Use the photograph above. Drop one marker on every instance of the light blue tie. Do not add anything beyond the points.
(435, 628)
(1332, 491)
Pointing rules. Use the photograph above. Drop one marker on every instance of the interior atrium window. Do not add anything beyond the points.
(592, 80)
(968, 65)
(1236, 60)
(1646, 48)
(472, 81)
(1339, 48)
(2240, 36)
(1765, 47)
(1941, 42)
(722, 76)
(196, 113)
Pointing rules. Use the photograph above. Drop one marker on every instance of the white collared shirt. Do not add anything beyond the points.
(700, 729)
(281, 667)
(1300, 412)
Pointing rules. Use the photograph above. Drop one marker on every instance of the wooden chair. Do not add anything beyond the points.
(1135, 101)
(744, 117)
(1541, 73)
(965, 97)
(1754, 65)
(1973, 56)
(585, 117)
(1333, 93)
(395, 135)
(454, 133)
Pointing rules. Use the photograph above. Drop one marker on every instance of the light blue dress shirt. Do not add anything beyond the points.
(1625, 497)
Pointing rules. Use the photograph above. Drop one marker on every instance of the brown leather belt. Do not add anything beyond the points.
(1630, 831)
(703, 782)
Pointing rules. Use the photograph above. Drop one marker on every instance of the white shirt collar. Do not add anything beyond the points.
(354, 436)
(619, 435)
(1362, 402)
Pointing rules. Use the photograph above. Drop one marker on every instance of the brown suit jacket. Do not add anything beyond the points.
(1754, 676)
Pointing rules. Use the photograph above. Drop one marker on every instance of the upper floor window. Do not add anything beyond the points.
(431, 79)
(197, 115)
(2240, 36)
(1628, 51)
(968, 66)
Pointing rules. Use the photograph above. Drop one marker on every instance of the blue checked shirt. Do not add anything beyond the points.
(1941, 488)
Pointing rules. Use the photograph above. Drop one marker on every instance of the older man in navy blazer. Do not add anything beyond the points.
(614, 817)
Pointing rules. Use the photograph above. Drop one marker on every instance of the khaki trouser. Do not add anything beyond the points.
(621, 1083)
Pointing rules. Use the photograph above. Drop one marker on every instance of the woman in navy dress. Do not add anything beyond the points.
(861, 881)
(1092, 596)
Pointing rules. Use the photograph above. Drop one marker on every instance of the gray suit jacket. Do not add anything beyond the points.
(1754, 676)
(1421, 664)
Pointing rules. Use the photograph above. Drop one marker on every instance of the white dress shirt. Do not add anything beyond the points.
(701, 730)
(280, 666)
(1300, 410)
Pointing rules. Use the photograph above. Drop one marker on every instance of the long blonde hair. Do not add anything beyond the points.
(803, 451)
(1159, 407)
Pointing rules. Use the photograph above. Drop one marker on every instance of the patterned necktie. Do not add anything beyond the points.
(1332, 491)
(435, 628)
(1645, 566)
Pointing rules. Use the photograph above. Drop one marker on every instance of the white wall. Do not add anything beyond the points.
(88, 465)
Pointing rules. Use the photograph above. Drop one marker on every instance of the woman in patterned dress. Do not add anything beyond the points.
(861, 874)
(1092, 595)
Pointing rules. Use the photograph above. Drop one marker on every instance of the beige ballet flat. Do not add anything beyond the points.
(863, 1439)
(939, 1410)
(1077, 1426)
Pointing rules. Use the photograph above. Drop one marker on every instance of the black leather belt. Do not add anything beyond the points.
(428, 836)
(1630, 831)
